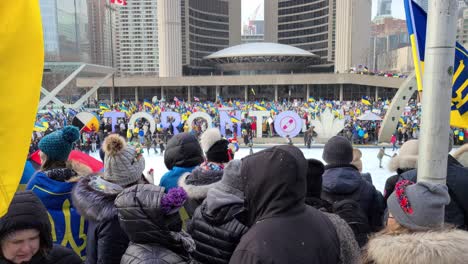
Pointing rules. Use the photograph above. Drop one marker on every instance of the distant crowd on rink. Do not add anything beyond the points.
(357, 131)
(273, 206)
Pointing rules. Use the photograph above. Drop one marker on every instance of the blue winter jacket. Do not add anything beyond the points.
(344, 180)
(170, 179)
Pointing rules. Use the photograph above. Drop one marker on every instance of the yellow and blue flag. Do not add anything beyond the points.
(416, 20)
(365, 100)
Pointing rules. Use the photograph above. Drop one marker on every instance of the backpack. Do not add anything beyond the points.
(348, 208)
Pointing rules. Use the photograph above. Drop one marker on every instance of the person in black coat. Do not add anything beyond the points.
(94, 197)
(150, 219)
(283, 229)
(26, 237)
(344, 181)
(213, 227)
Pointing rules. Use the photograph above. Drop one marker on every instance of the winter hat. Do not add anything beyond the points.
(418, 206)
(338, 151)
(407, 157)
(232, 182)
(215, 147)
(183, 150)
(123, 163)
(315, 171)
(26, 211)
(58, 145)
(357, 162)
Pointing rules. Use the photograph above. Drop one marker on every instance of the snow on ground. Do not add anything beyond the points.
(370, 163)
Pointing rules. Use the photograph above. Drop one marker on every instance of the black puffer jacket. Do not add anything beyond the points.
(106, 242)
(154, 236)
(215, 230)
(282, 228)
(26, 211)
(456, 212)
(183, 150)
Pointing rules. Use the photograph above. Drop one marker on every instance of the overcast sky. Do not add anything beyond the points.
(249, 6)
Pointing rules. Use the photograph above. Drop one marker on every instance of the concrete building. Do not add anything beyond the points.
(423, 3)
(208, 26)
(309, 25)
(136, 38)
(386, 35)
(353, 19)
(170, 38)
(397, 60)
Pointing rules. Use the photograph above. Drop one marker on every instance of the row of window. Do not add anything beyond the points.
(303, 32)
(211, 6)
(300, 40)
(209, 17)
(213, 41)
(204, 32)
(316, 14)
(313, 47)
(305, 8)
(288, 3)
(205, 24)
(205, 48)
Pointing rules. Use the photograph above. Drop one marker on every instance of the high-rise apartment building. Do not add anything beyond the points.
(462, 30)
(309, 25)
(353, 19)
(136, 38)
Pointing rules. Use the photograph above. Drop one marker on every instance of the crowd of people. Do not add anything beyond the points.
(273, 206)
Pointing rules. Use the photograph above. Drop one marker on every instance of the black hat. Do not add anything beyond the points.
(315, 171)
(26, 211)
(338, 151)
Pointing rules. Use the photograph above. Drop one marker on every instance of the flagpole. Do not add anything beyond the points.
(437, 83)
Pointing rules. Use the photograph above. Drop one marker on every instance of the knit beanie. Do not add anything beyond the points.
(419, 206)
(123, 163)
(338, 151)
(215, 147)
(315, 171)
(58, 145)
(232, 182)
(407, 157)
(26, 211)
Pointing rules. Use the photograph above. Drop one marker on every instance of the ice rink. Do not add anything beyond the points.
(370, 162)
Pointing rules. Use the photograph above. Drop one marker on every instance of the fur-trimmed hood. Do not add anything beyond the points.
(448, 246)
(407, 157)
(195, 191)
(92, 203)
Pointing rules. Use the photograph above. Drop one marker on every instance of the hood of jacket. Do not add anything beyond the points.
(220, 207)
(341, 179)
(183, 150)
(142, 219)
(94, 198)
(199, 182)
(446, 246)
(276, 183)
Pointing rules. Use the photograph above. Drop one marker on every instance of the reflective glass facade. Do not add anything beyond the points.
(66, 30)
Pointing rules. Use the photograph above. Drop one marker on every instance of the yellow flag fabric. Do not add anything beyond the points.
(21, 66)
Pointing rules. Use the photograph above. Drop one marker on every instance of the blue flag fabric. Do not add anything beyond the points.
(68, 227)
(416, 19)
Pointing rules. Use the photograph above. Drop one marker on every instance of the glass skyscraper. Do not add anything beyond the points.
(66, 30)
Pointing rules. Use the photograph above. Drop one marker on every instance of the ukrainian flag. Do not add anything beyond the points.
(261, 108)
(104, 106)
(416, 20)
(365, 100)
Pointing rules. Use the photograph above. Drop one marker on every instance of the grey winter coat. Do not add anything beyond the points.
(350, 251)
